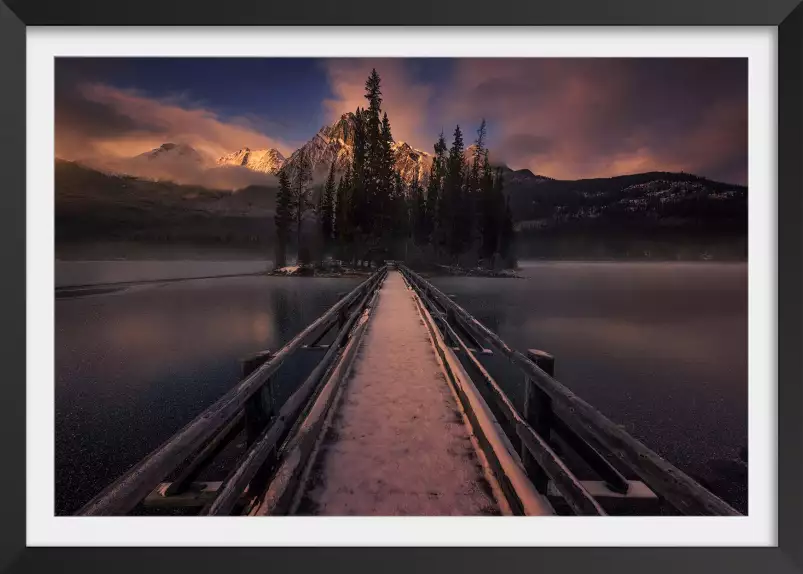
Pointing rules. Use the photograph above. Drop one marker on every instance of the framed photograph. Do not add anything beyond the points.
(334, 282)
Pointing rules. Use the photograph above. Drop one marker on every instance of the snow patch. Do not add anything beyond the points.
(398, 444)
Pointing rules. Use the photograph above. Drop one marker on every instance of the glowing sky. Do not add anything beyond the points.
(564, 118)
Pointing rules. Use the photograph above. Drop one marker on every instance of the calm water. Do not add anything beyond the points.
(70, 273)
(659, 348)
(134, 366)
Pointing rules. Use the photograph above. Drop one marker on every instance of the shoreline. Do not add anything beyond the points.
(62, 287)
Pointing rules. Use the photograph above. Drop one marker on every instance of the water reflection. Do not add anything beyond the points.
(659, 348)
(134, 366)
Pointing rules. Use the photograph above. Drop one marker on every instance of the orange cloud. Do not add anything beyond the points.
(405, 100)
(160, 121)
(106, 127)
(581, 118)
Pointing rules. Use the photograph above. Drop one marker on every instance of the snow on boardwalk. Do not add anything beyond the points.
(397, 444)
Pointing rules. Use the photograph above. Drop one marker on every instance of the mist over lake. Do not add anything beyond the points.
(658, 347)
(595, 209)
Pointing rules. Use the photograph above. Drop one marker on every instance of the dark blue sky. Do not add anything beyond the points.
(284, 95)
(565, 118)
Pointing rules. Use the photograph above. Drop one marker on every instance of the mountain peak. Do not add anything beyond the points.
(173, 150)
(332, 143)
(263, 160)
(342, 129)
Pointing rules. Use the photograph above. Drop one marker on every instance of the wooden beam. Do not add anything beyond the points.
(639, 500)
(195, 495)
(128, 490)
(299, 453)
(325, 331)
(591, 456)
(538, 415)
(212, 449)
(253, 460)
(577, 497)
(595, 460)
(259, 407)
(600, 490)
(544, 360)
(668, 481)
(518, 490)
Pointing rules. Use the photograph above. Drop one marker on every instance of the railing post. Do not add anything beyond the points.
(259, 407)
(259, 410)
(538, 414)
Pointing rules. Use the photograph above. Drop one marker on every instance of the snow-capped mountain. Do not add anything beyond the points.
(262, 160)
(410, 161)
(333, 143)
(321, 151)
(172, 151)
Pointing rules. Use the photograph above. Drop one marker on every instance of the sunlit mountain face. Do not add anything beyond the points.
(563, 119)
(583, 148)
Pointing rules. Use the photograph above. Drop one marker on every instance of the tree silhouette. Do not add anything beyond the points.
(283, 218)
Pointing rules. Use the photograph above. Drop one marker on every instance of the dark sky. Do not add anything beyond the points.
(564, 118)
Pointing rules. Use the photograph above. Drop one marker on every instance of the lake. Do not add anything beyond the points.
(133, 366)
(658, 347)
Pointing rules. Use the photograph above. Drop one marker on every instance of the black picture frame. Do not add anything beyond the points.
(786, 15)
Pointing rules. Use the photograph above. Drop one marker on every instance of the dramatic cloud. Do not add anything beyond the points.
(107, 127)
(186, 172)
(405, 99)
(564, 118)
(576, 118)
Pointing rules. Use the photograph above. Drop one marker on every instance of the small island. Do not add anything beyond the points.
(383, 200)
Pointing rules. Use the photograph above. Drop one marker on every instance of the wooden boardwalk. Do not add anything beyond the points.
(398, 443)
(392, 421)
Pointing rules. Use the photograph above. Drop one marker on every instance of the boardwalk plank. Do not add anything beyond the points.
(398, 444)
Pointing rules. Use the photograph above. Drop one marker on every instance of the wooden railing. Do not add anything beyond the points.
(248, 405)
(551, 409)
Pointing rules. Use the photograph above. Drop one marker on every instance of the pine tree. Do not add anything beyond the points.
(373, 148)
(436, 172)
(342, 231)
(466, 212)
(506, 232)
(326, 208)
(282, 219)
(490, 211)
(418, 211)
(386, 159)
(452, 208)
(300, 197)
(373, 93)
(387, 184)
(398, 208)
(358, 206)
(478, 153)
(468, 208)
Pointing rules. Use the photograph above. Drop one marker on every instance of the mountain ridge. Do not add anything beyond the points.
(170, 151)
(553, 218)
(334, 143)
(268, 160)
